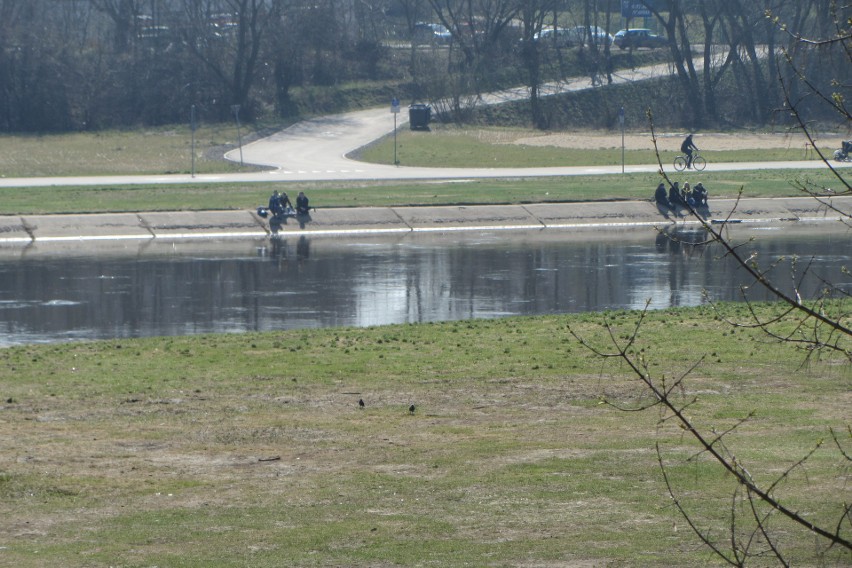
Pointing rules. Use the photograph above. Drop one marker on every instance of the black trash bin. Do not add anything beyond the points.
(419, 116)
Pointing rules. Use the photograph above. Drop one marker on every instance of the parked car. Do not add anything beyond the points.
(425, 32)
(639, 37)
(550, 35)
(587, 35)
(576, 36)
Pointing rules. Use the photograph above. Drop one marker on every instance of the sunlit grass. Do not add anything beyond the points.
(237, 450)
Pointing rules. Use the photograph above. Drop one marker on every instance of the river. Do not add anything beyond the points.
(52, 292)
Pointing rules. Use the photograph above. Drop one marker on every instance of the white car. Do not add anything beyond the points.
(576, 36)
(583, 35)
(425, 32)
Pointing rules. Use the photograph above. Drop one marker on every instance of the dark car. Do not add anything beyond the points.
(639, 37)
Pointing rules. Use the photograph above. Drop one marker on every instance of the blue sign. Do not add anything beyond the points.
(633, 9)
(395, 105)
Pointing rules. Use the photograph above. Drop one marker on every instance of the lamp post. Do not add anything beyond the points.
(394, 111)
(192, 128)
(621, 122)
(236, 109)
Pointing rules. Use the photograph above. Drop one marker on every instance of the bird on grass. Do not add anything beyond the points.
(361, 402)
(411, 409)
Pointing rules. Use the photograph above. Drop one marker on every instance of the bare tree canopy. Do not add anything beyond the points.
(88, 64)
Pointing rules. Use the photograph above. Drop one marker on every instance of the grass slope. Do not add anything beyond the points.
(251, 449)
(62, 199)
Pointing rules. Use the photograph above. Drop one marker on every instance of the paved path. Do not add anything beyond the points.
(348, 170)
(317, 150)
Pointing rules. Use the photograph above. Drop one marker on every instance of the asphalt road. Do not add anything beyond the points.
(317, 149)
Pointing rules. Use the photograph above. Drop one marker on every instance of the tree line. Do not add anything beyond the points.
(91, 64)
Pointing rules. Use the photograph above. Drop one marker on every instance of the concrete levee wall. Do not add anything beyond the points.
(351, 222)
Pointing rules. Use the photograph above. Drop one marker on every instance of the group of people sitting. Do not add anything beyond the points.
(677, 197)
(280, 206)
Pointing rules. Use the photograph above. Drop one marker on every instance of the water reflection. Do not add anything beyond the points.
(176, 288)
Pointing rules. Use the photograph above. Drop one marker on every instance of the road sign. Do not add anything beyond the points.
(633, 9)
(395, 105)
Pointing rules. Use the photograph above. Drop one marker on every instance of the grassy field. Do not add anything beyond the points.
(131, 152)
(252, 450)
(450, 146)
(61, 199)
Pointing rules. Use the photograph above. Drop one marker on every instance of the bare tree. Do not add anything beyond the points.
(124, 14)
(33, 93)
(226, 36)
(476, 27)
(532, 15)
(674, 18)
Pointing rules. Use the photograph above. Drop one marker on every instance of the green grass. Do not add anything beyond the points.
(449, 146)
(200, 196)
(153, 451)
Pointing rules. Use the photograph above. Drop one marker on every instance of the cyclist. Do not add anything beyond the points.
(687, 147)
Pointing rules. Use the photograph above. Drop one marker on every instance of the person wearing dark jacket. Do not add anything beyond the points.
(675, 199)
(279, 204)
(302, 206)
(700, 195)
(275, 206)
(660, 196)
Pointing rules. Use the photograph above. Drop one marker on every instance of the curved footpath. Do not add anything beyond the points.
(349, 222)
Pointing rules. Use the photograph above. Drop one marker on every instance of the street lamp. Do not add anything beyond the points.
(236, 109)
(192, 127)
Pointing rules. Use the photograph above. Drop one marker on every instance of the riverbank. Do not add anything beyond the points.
(27, 229)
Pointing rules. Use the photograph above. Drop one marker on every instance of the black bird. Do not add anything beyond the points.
(361, 402)
(411, 409)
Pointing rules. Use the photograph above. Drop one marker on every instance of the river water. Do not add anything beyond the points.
(54, 292)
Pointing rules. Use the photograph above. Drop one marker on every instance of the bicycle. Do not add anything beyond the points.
(698, 163)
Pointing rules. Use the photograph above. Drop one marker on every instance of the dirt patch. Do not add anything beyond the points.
(670, 141)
